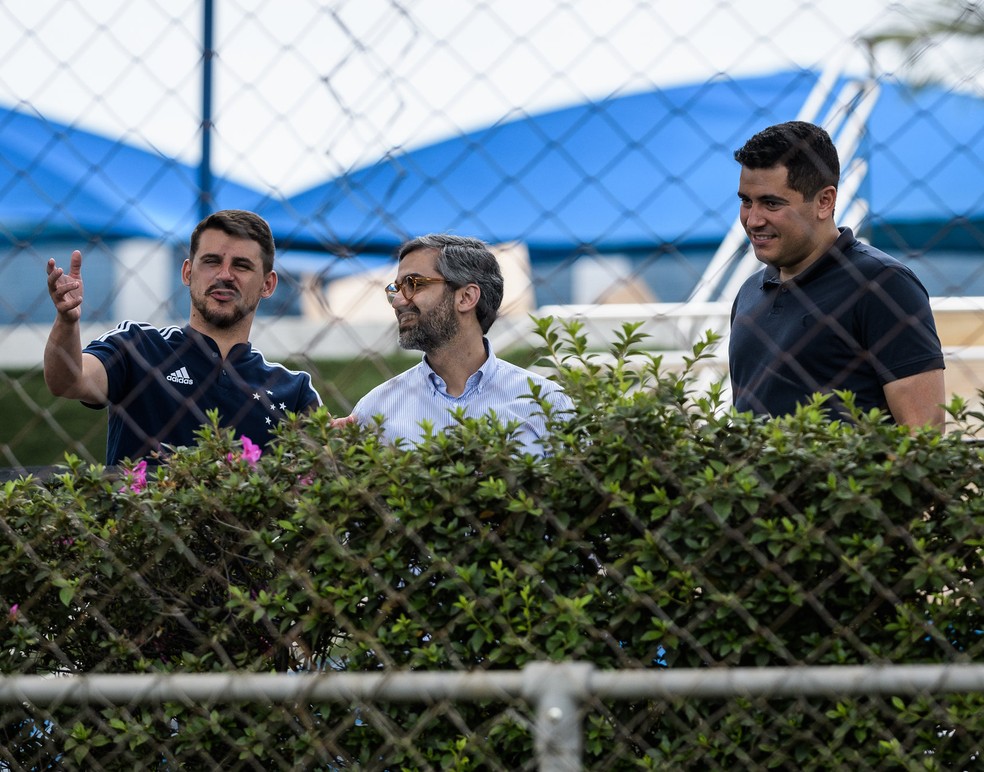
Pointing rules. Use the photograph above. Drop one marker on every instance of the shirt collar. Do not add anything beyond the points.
(477, 380)
(836, 252)
(205, 343)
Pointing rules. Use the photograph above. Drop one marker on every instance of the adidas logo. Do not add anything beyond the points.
(181, 376)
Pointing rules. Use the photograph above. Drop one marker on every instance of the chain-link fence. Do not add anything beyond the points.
(723, 592)
(592, 145)
(596, 142)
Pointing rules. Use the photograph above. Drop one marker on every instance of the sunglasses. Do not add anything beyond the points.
(408, 286)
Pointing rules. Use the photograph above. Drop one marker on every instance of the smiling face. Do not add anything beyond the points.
(429, 320)
(785, 230)
(227, 282)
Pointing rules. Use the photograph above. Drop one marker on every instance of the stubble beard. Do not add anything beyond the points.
(224, 319)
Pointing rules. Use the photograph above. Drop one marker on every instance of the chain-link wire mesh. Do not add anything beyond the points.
(666, 541)
(597, 142)
(590, 143)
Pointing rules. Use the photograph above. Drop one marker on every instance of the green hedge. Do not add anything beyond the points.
(659, 530)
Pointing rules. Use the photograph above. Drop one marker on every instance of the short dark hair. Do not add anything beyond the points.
(805, 149)
(462, 260)
(243, 225)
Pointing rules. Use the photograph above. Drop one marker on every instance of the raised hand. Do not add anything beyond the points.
(66, 289)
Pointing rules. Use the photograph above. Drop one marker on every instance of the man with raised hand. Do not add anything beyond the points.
(159, 383)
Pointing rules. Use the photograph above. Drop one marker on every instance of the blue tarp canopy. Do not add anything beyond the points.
(640, 172)
(58, 181)
(637, 172)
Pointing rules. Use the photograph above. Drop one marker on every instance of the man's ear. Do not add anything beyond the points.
(186, 272)
(467, 297)
(826, 202)
(269, 284)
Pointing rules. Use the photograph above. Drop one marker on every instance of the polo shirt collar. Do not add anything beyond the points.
(205, 343)
(828, 259)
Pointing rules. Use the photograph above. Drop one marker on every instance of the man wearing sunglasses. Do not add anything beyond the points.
(446, 296)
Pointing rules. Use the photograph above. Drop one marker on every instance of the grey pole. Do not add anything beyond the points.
(206, 194)
(558, 691)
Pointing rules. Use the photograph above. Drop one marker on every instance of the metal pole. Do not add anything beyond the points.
(539, 683)
(558, 692)
(206, 199)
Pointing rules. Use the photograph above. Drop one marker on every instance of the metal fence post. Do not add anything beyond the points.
(557, 691)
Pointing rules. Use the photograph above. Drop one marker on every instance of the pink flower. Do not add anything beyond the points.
(137, 478)
(306, 480)
(12, 614)
(251, 452)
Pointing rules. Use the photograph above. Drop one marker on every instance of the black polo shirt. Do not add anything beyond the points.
(162, 382)
(856, 319)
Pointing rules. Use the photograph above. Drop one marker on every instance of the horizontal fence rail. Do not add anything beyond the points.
(534, 682)
(557, 691)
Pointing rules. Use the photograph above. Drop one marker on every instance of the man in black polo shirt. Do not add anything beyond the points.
(827, 312)
(159, 383)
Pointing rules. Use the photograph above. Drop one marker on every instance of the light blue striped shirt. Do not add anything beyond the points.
(420, 394)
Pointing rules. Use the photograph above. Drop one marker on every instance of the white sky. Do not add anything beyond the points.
(305, 90)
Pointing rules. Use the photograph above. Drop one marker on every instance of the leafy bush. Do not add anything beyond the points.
(659, 529)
